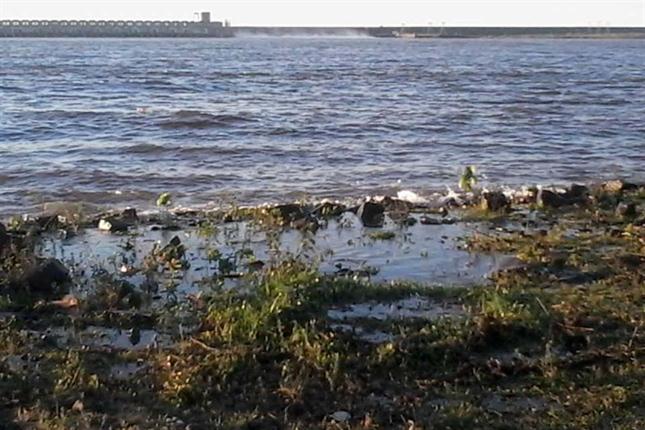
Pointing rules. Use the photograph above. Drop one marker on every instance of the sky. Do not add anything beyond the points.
(590, 13)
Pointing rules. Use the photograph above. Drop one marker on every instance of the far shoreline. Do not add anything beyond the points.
(34, 28)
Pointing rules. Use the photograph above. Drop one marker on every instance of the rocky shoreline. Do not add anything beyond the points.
(479, 309)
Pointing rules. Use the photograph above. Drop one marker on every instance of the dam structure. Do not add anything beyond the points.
(94, 28)
(205, 27)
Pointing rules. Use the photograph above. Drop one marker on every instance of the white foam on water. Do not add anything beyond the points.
(411, 197)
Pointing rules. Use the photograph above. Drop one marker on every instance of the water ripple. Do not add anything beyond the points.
(117, 121)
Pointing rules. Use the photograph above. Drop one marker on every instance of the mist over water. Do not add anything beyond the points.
(115, 122)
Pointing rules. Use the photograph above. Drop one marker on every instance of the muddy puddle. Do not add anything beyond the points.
(221, 255)
(421, 253)
(410, 308)
(354, 318)
(364, 334)
(97, 337)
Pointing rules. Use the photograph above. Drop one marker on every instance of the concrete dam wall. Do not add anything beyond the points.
(37, 28)
(208, 28)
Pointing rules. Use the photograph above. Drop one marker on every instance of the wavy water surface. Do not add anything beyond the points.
(257, 119)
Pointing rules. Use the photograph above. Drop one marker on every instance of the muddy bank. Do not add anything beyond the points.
(485, 311)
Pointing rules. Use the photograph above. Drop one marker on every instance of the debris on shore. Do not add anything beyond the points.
(487, 310)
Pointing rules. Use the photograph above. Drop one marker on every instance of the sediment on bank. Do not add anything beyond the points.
(272, 335)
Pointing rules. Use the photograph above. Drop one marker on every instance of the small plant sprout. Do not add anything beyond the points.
(164, 200)
(468, 179)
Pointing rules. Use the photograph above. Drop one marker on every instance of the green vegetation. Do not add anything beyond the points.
(468, 179)
(164, 200)
(556, 343)
(382, 235)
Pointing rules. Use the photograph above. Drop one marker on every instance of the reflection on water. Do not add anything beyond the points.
(422, 253)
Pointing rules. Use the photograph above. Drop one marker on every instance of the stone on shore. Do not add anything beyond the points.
(495, 201)
(329, 210)
(308, 223)
(371, 214)
(130, 215)
(112, 225)
(550, 199)
(617, 186)
(525, 196)
(44, 276)
(627, 210)
(4, 238)
(577, 194)
(119, 223)
(48, 222)
(397, 205)
(428, 220)
(289, 213)
(175, 250)
(341, 416)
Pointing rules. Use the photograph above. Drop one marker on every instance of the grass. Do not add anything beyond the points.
(382, 235)
(555, 344)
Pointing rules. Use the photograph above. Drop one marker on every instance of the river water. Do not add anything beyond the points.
(116, 122)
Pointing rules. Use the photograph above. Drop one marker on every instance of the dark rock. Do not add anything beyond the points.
(296, 216)
(289, 213)
(44, 276)
(47, 222)
(329, 210)
(130, 216)
(529, 197)
(605, 200)
(617, 186)
(550, 199)
(120, 222)
(256, 265)
(427, 220)
(628, 186)
(627, 210)
(576, 190)
(452, 203)
(577, 194)
(410, 221)
(173, 251)
(4, 238)
(170, 227)
(395, 205)
(175, 241)
(371, 214)
(307, 223)
(495, 201)
(113, 225)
